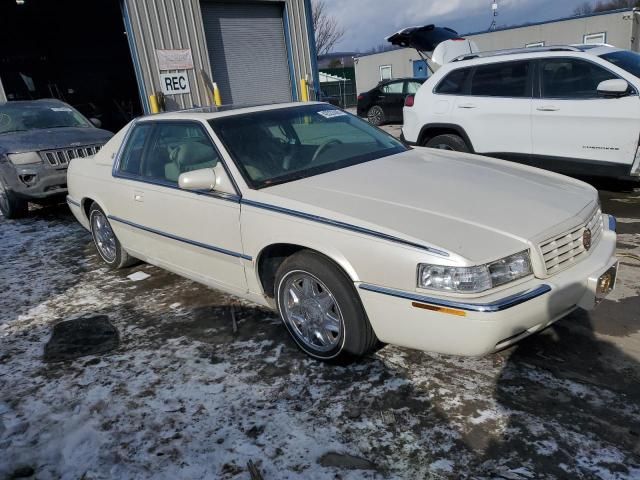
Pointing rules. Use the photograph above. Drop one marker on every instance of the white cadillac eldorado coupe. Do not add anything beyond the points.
(352, 237)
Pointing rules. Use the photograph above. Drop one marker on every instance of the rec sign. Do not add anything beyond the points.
(174, 83)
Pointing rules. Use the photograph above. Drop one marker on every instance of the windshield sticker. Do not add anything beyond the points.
(61, 109)
(332, 113)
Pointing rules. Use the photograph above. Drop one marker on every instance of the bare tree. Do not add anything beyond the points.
(327, 29)
(606, 5)
(583, 9)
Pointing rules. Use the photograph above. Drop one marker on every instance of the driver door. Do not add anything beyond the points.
(196, 234)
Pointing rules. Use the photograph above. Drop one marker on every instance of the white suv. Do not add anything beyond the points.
(573, 109)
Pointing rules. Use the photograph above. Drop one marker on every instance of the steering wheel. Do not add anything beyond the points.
(323, 146)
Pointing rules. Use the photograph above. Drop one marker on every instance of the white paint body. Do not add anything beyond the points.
(606, 130)
(473, 209)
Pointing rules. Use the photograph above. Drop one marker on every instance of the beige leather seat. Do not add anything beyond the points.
(188, 157)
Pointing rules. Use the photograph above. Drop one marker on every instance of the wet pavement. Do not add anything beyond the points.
(185, 396)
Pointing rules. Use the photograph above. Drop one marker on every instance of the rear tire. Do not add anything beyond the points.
(448, 141)
(11, 206)
(376, 115)
(321, 309)
(106, 242)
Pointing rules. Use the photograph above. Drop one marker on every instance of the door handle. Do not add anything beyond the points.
(548, 108)
(467, 106)
(138, 196)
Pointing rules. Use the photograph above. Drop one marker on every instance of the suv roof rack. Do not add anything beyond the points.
(511, 51)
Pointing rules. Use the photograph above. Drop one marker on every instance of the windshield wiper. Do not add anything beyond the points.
(13, 131)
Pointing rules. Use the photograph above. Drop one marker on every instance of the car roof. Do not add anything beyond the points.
(532, 52)
(211, 113)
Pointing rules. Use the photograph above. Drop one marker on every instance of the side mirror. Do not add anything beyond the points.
(96, 122)
(203, 179)
(613, 88)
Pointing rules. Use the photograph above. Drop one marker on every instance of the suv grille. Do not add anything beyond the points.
(62, 157)
(565, 250)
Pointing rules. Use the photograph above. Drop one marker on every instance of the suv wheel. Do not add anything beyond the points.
(105, 240)
(10, 205)
(375, 115)
(321, 309)
(448, 142)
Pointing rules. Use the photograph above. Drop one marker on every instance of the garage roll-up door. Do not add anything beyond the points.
(247, 50)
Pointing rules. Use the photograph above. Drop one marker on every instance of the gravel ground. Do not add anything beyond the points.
(186, 396)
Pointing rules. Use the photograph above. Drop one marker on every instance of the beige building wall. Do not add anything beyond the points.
(617, 27)
(368, 67)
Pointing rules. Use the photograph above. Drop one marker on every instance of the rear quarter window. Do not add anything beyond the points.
(505, 79)
(454, 82)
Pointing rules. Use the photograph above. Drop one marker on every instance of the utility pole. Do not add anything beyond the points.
(494, 10)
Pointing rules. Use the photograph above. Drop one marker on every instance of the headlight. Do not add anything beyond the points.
(474, 279)
(24, 158)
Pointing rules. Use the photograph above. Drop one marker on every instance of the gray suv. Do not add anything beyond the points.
(38, 139)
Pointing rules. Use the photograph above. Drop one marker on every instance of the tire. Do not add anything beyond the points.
(329, 295)
(106, 242)
(11, 206)
(376, 115)
(449, 141)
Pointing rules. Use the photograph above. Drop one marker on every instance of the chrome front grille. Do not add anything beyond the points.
(62, 157)
(565, 250)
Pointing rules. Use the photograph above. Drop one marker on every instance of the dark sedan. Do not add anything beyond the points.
(38, 139)
(384, 103)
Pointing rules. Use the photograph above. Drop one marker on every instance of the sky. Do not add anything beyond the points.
(368, 22)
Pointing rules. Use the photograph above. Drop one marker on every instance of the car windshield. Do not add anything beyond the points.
(278, 146)
(21, 117)
(625, 59)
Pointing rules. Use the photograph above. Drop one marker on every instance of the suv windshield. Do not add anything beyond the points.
(21, 117)
(625, 59)
(278, 146)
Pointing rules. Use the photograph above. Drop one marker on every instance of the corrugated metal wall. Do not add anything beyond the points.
(176, 24)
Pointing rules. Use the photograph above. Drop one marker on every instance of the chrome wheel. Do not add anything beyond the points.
(375, 116)
(103, 236)
(311, 311)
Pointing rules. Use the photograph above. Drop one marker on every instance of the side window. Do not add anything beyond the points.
(412, 87)
(507, 79)
(572, 78)
(453, 84)
(395, 87)
(177, 148)
(132, 154)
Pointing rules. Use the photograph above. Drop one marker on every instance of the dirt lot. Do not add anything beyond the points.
(184, 396)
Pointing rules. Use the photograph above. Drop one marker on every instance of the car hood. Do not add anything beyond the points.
(477, 208)
(47, 139)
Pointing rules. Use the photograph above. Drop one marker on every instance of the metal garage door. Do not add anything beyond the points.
(247, 51)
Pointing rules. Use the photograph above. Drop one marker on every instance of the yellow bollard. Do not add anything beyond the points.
(153, 104)
(304, 90)
(216, 95)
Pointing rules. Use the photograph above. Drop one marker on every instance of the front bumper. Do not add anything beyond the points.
(480, 326)
(34, 181)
